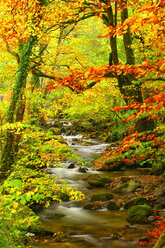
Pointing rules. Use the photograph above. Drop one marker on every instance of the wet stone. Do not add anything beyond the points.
(102, 197)
(82, 169)
(94, 176)
(139, 214)
(151, 218)
(94, 205)
(132, 186)
(71, 165)
(125, 179)
(135, 201)
(161, 202)
(112, 206)
(96, 183)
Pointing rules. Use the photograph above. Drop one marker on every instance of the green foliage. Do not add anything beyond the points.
(90, 111)
(28, 185)
(15, 221)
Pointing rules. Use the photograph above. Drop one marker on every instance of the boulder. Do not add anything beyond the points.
(93, 176)
(139, 214)
(132, 186)
(100, 182)
(160, 203)
(112, 206)
(94, 205)
(82, 169)
(136, 201)
(125, 179)
(121, 188)
(72, 165)
(151, 218)
(113, 236)
(102, 197)
(159, 192)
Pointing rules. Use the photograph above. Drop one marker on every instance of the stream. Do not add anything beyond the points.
(88, 229)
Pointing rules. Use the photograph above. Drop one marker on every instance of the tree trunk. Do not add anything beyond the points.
(130, 91)
(14, 112)
(161, 241)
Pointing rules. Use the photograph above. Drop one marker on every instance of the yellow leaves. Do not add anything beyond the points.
(13, 211)
(18, 193)
(129, 21)
(36, 189)
(105, 31)
(15, 205)
(47, 204)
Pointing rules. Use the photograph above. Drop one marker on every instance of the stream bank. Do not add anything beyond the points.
(99, 226)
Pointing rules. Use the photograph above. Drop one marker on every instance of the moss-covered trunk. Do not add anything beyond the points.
(16, 108)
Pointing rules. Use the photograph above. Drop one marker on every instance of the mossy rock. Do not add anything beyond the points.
(94, 205)
(136, 201)
(120, 189)
(90, 177)
(138, 214)
(125, 179)
(132, 186)
(112, 206)
(102, 197)
(87, 143)
(99, 182)
(106, 180)
(96, 183)
(160, 203)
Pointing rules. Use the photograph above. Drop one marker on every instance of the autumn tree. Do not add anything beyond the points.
(27, 25)
(19, 32)
(128, 19)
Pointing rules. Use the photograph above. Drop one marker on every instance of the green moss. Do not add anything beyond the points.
(101, 182)
(136, 201)
(102, 197)
(139, 214)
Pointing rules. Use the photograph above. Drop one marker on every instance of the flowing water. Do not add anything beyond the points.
(88, 229)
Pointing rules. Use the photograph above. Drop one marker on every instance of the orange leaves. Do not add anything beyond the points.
(129, 21)
(108, 31)
(20, 19)
(131, 117)
(159, 97)
(50, 87)
(161, 3)
(117, 108)
(157, 231)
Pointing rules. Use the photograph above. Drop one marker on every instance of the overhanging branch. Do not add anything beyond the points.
(11, 51)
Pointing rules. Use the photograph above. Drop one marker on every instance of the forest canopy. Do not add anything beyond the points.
(97, 63)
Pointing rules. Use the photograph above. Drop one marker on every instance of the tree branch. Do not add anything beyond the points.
(39, 73)
(10, 51)
(154, 79)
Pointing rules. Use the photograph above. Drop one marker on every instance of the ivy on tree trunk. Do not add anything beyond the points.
(15, 113)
